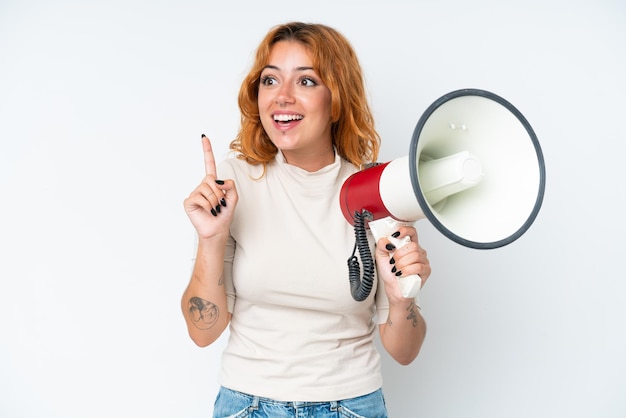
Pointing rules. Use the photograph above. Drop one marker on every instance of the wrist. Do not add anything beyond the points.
(401, 304)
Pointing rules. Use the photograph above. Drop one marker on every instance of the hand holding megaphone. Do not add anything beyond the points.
(385, 228)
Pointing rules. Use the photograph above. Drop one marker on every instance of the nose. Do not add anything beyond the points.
(284, 95)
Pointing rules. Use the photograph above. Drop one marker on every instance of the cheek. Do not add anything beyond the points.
(263, 101)
(264, 104)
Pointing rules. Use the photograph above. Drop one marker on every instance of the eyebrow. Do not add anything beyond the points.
(273, 67)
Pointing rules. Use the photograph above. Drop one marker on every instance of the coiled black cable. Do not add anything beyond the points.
(361, 288)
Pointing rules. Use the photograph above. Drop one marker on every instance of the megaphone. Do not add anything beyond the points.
(475, 170)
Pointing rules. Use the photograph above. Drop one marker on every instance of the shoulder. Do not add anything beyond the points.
(347, 166)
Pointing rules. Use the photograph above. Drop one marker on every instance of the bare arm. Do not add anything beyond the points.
(210, 209)
(404, 332)
(204, 301)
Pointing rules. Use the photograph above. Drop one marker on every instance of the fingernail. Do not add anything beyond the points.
(390, 247)
(399, 273)
(392, 261)
(394, 269)
(203, 136)
(218, 208)
(213, 212)
(223, 202)
(396, 234)
(220, 182)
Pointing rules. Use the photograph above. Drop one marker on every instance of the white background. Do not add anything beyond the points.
(102, 105)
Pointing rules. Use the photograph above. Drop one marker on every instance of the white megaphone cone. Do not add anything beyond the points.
(475, 170)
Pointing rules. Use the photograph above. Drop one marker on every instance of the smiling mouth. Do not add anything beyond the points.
(287, 118)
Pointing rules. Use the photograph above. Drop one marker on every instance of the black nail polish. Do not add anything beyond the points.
(399, 273)
(390, 247)
(396, 234)
(394, 269)
(213, 212)
(392, 261)
(220, 182)
(203, 136)
(218, 208)
(223, 202)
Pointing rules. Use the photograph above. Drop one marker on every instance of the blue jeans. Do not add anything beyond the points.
(233, 404)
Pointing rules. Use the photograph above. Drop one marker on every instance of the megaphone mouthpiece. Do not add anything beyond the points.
(446, 176)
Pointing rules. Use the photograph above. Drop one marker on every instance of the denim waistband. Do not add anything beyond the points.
(256, 400)
(293, 404)
(233, 404)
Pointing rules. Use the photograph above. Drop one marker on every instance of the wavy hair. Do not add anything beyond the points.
(336, 63)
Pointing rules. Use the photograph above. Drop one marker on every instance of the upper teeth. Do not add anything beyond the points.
(286, 118)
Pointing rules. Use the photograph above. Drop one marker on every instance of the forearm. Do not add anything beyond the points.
(204, 300)
(403, 333)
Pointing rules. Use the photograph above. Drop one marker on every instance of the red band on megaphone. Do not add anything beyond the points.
(361, 191)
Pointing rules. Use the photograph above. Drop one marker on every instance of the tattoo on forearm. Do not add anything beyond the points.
(413, 314)
(203, 314)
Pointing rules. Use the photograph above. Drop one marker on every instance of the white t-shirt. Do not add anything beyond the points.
(296, 332)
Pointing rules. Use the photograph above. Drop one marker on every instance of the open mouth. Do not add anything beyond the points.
(285, 119)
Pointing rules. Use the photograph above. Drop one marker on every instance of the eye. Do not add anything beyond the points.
(308, 82)
(268, 80)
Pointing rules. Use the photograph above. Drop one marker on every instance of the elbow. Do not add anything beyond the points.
(203, 340)
(405, 359)
(403, 355)
(405, 362)
(403, 351)
(206, 337)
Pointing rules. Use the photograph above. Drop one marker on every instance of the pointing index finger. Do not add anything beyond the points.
(209, 159)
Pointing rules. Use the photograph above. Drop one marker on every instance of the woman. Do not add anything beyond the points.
(273, 243)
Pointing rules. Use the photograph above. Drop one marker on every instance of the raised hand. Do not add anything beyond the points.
(210, 206)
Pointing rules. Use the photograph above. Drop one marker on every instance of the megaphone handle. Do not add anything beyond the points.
(385, 227)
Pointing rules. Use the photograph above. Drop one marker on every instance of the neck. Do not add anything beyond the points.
(310, 162)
